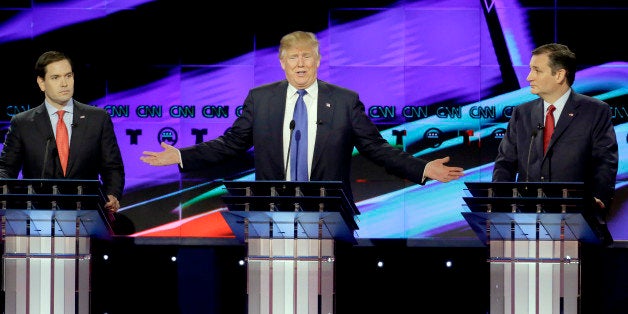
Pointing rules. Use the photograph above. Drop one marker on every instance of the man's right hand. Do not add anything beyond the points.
(169, 156)
(437, 170)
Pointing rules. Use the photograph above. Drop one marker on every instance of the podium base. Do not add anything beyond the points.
(290, 276)
(541, 277)
(46, 275)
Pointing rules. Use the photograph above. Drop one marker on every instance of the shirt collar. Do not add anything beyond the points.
(559, 103)
(69, 107)
(312, 90)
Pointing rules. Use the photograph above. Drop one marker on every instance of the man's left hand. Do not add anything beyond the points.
(113, 204)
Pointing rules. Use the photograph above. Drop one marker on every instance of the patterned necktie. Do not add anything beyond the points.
(549, 127)
(63, 143)
(298, 153)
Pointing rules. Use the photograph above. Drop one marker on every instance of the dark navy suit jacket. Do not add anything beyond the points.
(94, 150)
(583, 147)
(342, 125)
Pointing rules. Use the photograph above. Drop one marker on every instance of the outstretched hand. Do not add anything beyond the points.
(437, 170)
(169, 156)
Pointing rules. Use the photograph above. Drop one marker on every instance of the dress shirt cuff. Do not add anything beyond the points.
(423, 176)
(180, 159)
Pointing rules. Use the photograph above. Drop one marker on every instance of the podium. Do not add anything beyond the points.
(289, 229)
(534, 231)
(46, 229)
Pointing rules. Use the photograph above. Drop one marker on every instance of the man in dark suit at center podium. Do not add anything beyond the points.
(336, 121)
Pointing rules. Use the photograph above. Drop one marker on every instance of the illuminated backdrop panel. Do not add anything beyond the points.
(448, 73)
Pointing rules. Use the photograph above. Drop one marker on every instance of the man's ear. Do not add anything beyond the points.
(561, 75)
(40, 83)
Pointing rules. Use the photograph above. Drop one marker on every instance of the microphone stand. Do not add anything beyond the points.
(534, 134)
(285, 172)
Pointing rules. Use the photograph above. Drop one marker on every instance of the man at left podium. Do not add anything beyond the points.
(34, 144)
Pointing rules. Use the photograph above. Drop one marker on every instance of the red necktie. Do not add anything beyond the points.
(549, 127)
(63, 143)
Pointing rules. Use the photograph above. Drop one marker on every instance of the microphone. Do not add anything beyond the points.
(43, 169)
(319, 122)
(74, 125)
(534, 134)
(285, 172)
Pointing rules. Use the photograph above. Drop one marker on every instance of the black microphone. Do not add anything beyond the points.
(285, 172)
(43, 169)
(534, 134)
(74, 125)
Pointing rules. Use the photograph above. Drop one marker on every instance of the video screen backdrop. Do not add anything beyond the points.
(439, 78)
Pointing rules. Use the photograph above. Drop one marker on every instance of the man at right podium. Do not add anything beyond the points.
(562, 136)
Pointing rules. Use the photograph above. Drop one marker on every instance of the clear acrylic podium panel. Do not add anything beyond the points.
(533, 231)
(290, 276)
(47, 226)
(290, 229)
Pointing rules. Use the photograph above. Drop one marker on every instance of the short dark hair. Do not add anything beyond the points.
(560, 57)
(47, 58)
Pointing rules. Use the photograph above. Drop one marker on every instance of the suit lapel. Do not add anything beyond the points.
(42, 122)
(566, 117)
(325, 111)
(276, 112)
(79, 127)
(537, 117)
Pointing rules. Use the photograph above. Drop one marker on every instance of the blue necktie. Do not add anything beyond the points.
(298, 154)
